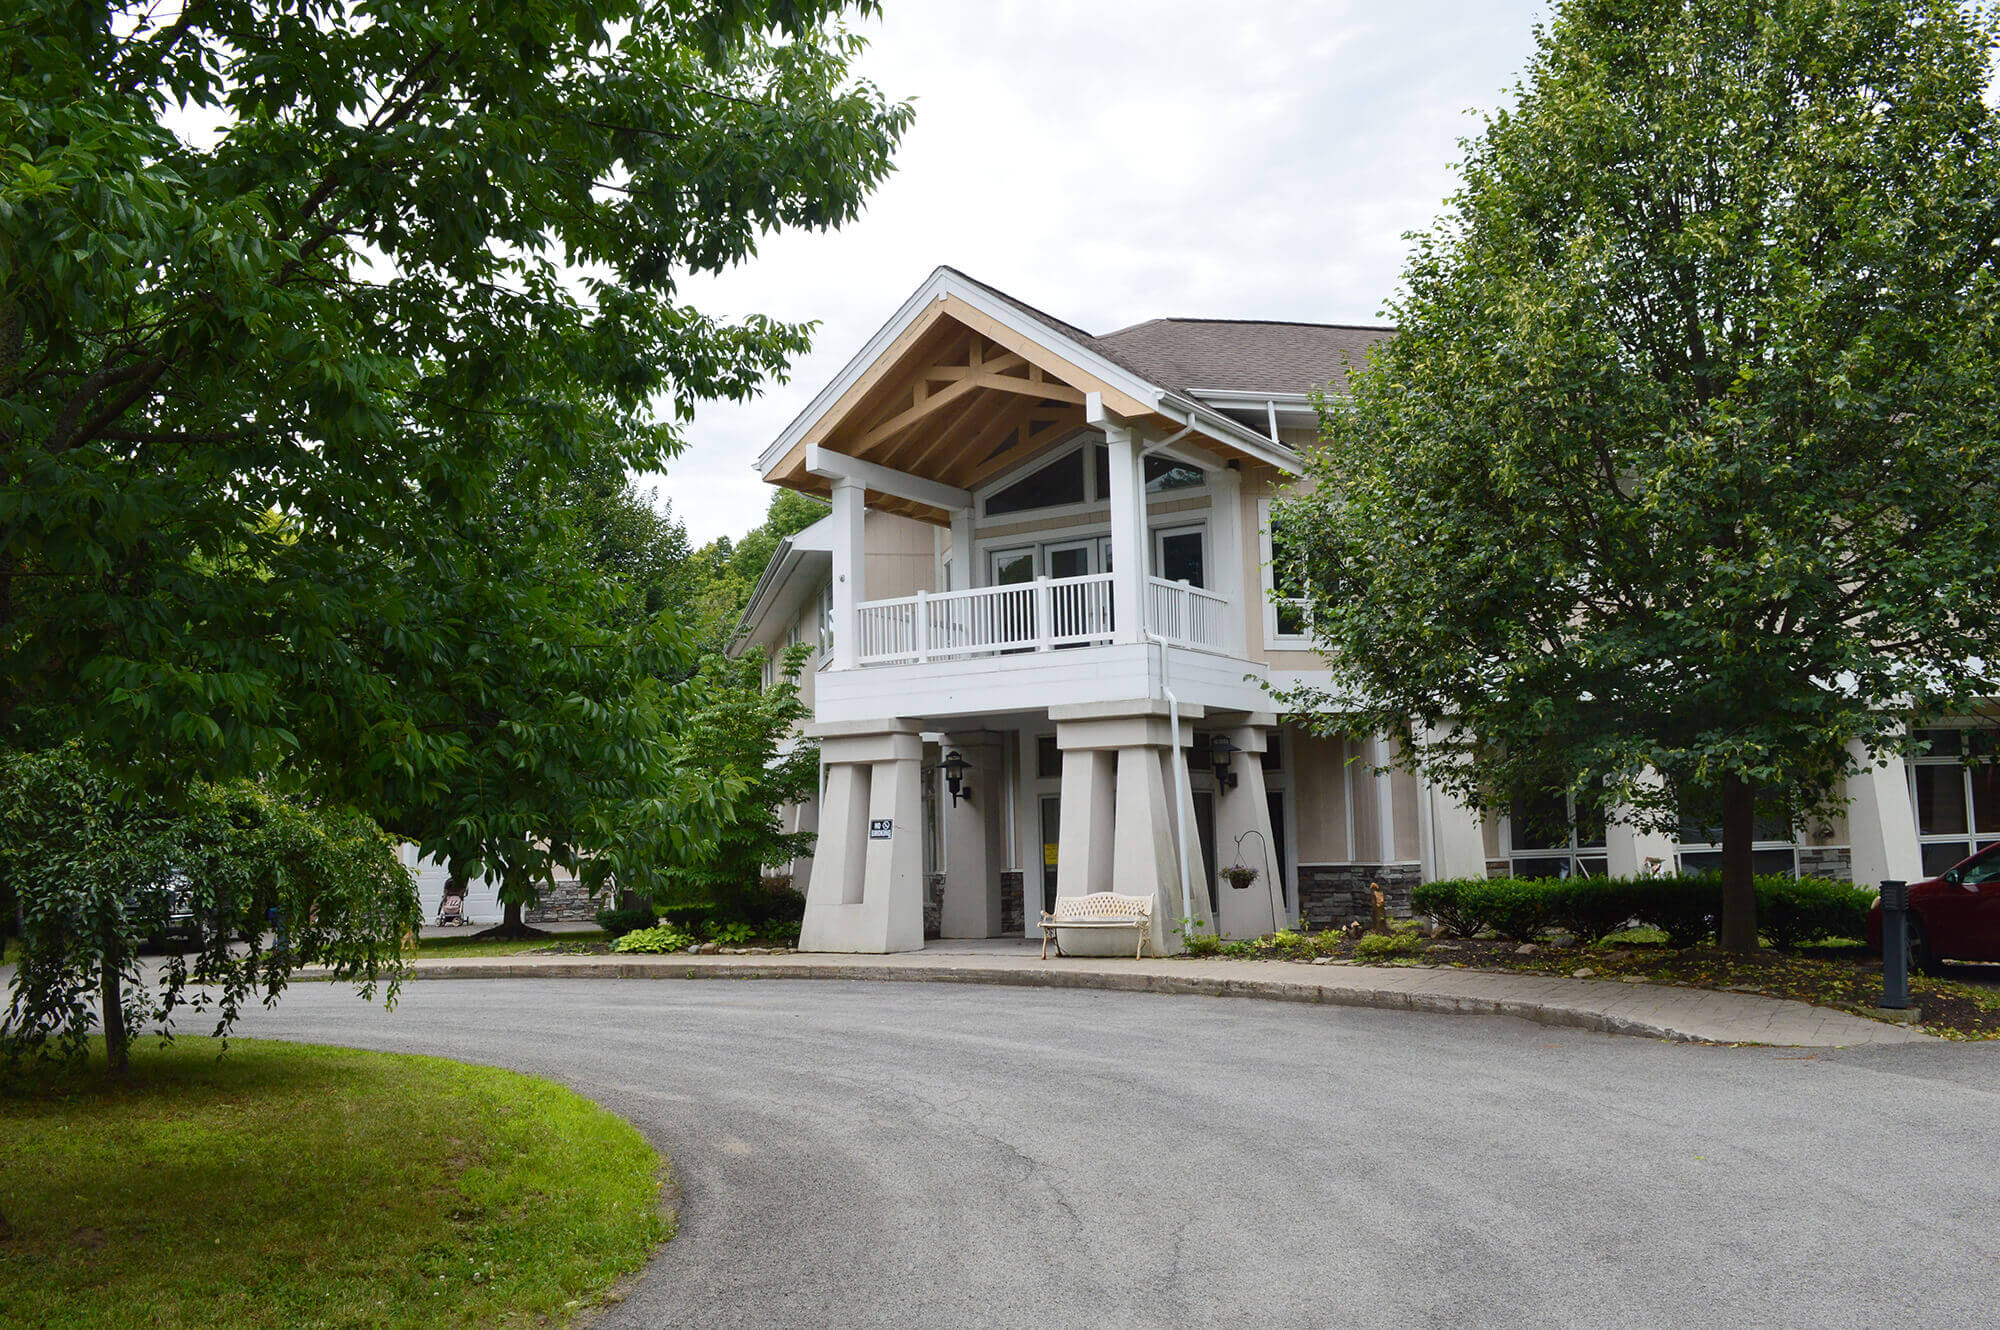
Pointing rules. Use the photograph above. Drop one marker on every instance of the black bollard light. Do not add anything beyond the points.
(1895, 945)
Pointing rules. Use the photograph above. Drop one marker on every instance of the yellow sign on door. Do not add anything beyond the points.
(1048, 854)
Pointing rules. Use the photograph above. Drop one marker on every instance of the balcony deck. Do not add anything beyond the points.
(1047, 614)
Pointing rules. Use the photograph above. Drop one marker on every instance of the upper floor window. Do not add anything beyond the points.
(1162, 474)
(1067, 481)
(1051, 486)
(1288, 611)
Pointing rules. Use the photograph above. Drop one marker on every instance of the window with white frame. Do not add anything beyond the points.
(1955, 787)
(1555, 835)
(1287, 612)
(1773, 844)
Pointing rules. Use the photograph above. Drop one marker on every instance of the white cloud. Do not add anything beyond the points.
(1120, 160)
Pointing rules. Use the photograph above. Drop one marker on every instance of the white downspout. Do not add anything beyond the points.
(1179, 762)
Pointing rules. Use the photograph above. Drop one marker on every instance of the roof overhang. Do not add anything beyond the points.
(790, 576)
(874, 412)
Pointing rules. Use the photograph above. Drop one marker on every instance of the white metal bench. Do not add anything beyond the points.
(1100, 909)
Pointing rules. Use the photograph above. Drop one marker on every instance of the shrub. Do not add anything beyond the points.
(654, 941)
(1792, 912)
(1588, 908)
(1686, 907)
(1385, 946)
(1518, 909)
(1442, 900)
(618, 922)
(688, 916)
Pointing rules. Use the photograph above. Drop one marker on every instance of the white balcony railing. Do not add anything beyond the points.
(1027, 616)
(1043, 615)
(1185, 615)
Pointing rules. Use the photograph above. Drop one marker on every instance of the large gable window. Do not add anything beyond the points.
(1162, 474)
(1052, 486)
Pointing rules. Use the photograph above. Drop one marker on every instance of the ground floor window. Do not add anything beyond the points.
(1555, 835)
(1955, 786)
(1773, 844)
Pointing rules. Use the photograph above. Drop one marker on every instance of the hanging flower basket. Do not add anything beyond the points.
(1239, 876)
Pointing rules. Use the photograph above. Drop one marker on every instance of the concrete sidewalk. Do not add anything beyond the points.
(1686, 1014)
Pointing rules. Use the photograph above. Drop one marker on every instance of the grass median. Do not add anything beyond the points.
(301, 1186)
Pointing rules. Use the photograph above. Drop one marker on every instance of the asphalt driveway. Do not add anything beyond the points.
(939, 1156)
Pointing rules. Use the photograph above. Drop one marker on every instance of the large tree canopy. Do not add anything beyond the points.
(1680, 475)
(261, 380)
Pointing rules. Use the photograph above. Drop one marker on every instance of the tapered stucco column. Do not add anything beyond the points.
(1136, 739)
(1083, 855)
(867, 890)
(1881, 822)
(1451, 836)
(1243, 836)
(973, 830)
(1631, 851)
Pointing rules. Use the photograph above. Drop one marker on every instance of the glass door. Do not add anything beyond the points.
(1051, 838)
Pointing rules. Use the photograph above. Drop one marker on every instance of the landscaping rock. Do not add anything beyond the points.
(1582, 973)
(1527, 949)
(708, 949)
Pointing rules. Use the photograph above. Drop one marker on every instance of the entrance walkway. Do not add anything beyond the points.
(1658, 1011)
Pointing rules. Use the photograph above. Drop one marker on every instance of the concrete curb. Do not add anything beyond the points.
(1759, 1016)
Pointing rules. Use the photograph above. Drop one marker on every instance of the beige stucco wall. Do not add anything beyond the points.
(902, 556)
(1319, 797)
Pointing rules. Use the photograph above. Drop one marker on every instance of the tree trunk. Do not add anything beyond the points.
(511, 925)
(1739, 888)
(117, 1041)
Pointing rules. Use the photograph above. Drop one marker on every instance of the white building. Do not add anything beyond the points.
(1048, 554)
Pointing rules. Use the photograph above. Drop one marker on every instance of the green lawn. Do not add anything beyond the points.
(455, 948)
(299, 1186)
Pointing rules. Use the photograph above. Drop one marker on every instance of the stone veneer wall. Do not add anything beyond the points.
(1834, 862)
(1331, 895)
(566, 902)
(1012, 924)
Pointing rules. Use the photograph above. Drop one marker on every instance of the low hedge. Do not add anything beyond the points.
(1791, 912)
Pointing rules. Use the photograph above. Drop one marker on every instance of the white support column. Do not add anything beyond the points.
(1243, 836)
(867, 892)
(1632, 852)
(1881, 821)
(1083, 856)
(1451, 837)
(1379, 755)
(965, 567)
(1131, 847)
(974, 834)
(850, 564)
(1225, 558)
(1129, 560)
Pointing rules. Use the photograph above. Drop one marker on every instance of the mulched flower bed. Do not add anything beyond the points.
(1955, 1006)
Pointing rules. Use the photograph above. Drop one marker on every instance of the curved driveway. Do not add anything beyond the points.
(942, 1156)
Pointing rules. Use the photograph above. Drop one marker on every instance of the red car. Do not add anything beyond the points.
(1954, 916)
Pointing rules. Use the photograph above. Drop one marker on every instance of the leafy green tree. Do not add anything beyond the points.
(725, 572)
(629, 538)
(745, 736)
(103, 866)
(430, 252)
(1679, 476)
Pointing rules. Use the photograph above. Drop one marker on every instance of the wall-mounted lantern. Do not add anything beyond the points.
(1220, 750)
(954, 777)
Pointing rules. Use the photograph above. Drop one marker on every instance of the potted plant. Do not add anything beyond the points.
(1239, 876)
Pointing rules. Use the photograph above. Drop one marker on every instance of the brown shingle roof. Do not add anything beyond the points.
(1217, 355)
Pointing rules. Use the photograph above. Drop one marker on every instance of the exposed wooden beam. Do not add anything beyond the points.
(884, 480)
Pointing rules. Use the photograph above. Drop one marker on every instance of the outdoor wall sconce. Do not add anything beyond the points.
(1220, 750)
(954, 777)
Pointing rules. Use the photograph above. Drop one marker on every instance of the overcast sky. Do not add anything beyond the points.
(1117, 160)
